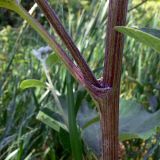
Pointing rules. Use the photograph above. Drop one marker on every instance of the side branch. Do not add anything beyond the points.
(57, 25)
(114, 43)
(74, 70)
(138, 5)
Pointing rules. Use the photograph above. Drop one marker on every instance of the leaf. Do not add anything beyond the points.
(46, 118)
(75, 138)
(90, 122)
(154, 32)
(65, 140)
(52, 59)
(12, 155)
(146, 36)
(10, 4)
(136, 122)
(30, 83)
(92, 134)
(153, 101)
(6, 141)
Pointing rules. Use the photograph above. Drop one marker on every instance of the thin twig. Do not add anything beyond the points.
(57, 25)
(136, 6)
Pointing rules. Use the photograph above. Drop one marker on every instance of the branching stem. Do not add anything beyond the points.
(74, 70)
(57, 25)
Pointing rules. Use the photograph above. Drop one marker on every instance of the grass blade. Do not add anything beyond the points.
(75, 140)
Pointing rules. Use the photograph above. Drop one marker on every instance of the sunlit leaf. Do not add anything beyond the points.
(10, 4)
(147, 38)
(30, 83)
(50, 121)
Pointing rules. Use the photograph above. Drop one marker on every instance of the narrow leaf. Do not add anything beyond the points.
(10, 4)
(90, 122)
(75, 138)
(154, 32)
(49, 121)
(141, 35)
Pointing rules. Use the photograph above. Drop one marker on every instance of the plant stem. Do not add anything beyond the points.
(74, 70)
(57, 25)
(114, 43)
(109, 106)
(109, 120)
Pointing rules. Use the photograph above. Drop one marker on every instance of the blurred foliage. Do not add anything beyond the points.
(22, 136)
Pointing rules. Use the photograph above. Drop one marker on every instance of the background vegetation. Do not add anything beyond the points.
(23, 134)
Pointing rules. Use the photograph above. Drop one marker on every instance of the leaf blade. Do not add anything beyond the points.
(30, 83)
(143, 36)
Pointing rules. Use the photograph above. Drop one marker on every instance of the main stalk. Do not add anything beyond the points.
(109, 105)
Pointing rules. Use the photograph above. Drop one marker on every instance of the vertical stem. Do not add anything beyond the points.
(109, 106)
(114, 42)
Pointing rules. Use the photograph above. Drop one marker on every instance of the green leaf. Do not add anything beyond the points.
(52, 59)
(30, 83)
(51, 122)
(92, 121)
(154, 32)
(91, 132)
(9, 4)
(75, 138)
(12, 155)
(147, 38)
(64, 140)
(136, 122)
